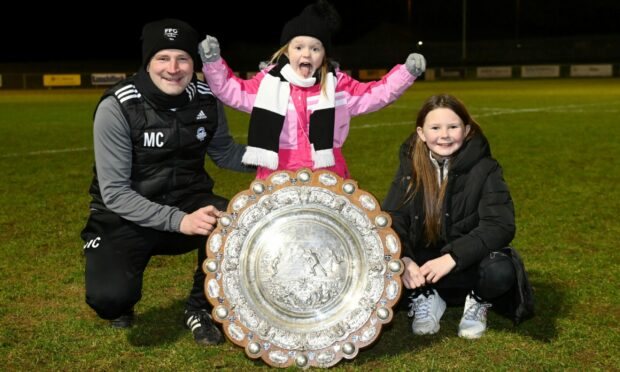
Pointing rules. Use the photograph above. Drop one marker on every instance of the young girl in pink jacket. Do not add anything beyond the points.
(300, 106)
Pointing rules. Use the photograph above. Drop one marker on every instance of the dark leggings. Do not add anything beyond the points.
(489, 280)
(496, 275)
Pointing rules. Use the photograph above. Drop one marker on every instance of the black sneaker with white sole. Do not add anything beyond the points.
(202, 327)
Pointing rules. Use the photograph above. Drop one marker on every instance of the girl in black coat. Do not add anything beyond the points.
(453, 213)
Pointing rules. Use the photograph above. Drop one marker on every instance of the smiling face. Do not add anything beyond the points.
(171, 70)
(306, 55)
(443, 132)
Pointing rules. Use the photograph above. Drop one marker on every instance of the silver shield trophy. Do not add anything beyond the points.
(303, 269)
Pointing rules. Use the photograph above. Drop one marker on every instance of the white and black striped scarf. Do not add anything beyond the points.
(270, 107)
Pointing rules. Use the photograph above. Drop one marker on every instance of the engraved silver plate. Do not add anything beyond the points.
(303, 269)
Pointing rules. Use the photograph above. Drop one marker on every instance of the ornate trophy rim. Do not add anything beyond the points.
(311, 301)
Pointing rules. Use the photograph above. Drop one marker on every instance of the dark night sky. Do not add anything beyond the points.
(110, 30)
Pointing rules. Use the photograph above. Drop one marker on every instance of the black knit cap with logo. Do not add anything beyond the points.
(319, 20)
(169, 34)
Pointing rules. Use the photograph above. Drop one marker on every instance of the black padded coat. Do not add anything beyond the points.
(477, 213)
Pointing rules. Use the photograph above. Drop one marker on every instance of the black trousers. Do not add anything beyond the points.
(117, 252)
(489, 280)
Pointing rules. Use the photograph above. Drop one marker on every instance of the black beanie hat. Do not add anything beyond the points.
(319, 20)
(168, 34)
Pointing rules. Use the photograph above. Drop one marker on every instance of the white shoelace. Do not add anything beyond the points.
(477, 311)
(420, 305)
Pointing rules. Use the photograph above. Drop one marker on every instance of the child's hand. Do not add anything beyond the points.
(412, 278)
(437, 268)
(209, 49)
(415, 64)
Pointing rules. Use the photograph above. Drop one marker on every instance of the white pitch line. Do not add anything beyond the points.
(393, 124)
(494, 112)
(45, 152)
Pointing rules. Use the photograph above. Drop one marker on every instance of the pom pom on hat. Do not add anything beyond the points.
(169, 34)
(319, 20)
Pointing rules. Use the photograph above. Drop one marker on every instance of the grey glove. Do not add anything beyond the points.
(415, 64)
(209, 49)
(263, 65)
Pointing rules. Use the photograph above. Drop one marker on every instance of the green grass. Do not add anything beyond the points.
(557, 140)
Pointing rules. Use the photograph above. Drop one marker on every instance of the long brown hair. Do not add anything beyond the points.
(324, 69)
(424, 174)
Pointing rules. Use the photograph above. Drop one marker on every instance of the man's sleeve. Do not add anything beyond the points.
(223, 150)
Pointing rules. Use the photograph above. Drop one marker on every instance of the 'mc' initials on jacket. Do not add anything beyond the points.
(153, 139)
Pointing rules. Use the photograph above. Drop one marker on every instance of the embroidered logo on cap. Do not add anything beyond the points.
(171, 33)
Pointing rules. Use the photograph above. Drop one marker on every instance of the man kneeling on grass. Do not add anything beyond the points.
(151, 194)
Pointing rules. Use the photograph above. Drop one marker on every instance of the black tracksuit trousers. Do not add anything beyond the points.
(117, 252)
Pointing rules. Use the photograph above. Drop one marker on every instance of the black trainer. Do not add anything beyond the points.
(202, 327)
(123, 321)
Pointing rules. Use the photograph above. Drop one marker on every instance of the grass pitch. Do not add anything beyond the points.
(557, 140)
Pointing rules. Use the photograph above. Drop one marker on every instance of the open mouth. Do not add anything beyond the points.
(305, 68)
(174, 80)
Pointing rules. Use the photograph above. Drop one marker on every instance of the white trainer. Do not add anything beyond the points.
(474, 321)
(426, 309)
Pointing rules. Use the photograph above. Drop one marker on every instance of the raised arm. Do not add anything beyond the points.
(372, 96)
(227, 87)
